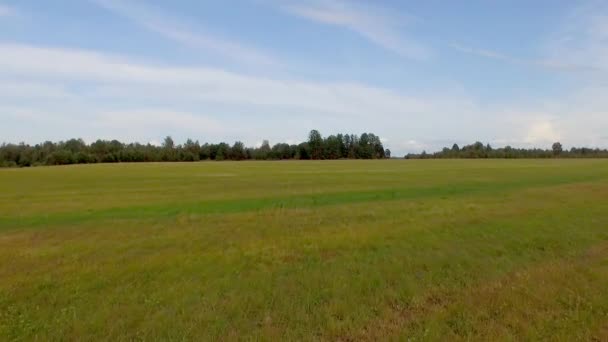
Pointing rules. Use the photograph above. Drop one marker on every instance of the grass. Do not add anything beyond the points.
(335, 250)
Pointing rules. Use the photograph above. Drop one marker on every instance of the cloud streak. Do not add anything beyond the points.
(118, 75)
(583, 39)
(75, 92)
(89, 85)
(554, 64)
(372, 23)
(154, 20)
(579, 45)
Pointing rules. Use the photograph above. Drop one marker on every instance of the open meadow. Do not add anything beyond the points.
(311, 250)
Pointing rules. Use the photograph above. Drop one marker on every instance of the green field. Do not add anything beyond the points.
(329, 250)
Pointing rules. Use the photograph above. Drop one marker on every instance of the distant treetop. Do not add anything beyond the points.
(76, 151)
(478, 150)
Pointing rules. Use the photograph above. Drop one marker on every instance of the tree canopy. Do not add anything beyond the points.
(479, 150)
(76, 151)
(338, 146)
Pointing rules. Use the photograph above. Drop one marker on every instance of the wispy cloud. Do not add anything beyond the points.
(375, 24)
(156, 20)
(15, 89)
(579, 45)
(143, 121)
(96, 94)
(549, 63)
(583, 38)
(123, 85)
(210, 84)
(6, 11)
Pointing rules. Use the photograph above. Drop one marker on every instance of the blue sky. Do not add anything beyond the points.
(420, 74)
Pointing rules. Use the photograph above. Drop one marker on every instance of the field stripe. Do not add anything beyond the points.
(164, 210)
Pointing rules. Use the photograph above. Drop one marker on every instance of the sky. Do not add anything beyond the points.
(420, 74)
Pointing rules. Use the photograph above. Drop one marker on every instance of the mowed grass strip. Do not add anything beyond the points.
(85, 188)
(414, 185)
(425, 266)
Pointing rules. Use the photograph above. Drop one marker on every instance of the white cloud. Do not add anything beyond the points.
(137, 125)
(11, 89)
(577, 117)
(69, 92)
(158, 21)
(155, 117)
(119, 77)
(374, 24)
(142, 121)
(541, 132)
(411, 146)
(103, 83)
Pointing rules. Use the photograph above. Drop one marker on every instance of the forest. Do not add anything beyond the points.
(76, 151)
(317, 147)
(479, 150)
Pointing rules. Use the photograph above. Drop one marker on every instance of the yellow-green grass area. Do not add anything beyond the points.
(328, 250)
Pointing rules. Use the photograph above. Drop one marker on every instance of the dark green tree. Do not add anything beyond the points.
(315, 144)
(557, 149)
(237, 152)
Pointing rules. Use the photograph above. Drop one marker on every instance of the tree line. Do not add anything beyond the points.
(479, 150)
(76, 151)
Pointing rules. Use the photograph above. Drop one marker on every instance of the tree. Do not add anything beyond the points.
(168, 143)
(352, 146)
(303, 151)
(376, 146)
(237, 151)
(169, 150)
(387, 153)
(343, 149)
(75, 145)
(263, 152)
(192, 146)
(367, 145)
(557, 149)
(213, 151)
(315, 143)
(365, 148)
(347, 147)
(222, 151)
(205, 152)
(332, 148)
(61, 157)
(283, 151)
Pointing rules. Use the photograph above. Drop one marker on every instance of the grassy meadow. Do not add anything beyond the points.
(328, 250)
